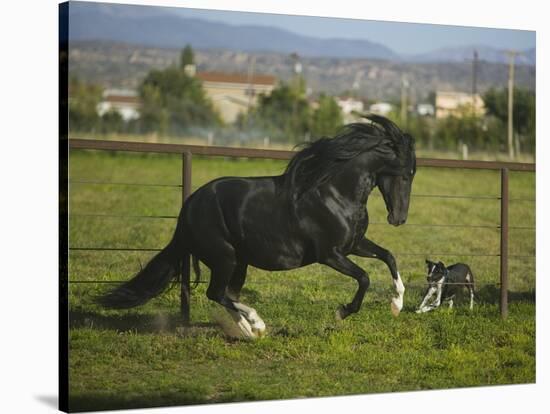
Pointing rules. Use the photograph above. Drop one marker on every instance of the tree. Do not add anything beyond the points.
(112, 121)
(284, 114)
(421, 128)
(455, 129)
(327, 118)
(496, 102)
(173, 101)
(83, 101)
(187, 57)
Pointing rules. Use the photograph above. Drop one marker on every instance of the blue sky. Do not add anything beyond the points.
(404, 38)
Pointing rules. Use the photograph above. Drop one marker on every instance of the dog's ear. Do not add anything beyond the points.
(428, 262)
(440, 264)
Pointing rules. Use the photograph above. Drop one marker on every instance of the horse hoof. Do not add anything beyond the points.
(341, 313)
(395, 309)
(258, 330)
(259, 334)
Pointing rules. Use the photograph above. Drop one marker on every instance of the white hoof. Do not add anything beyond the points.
(396, 306)
(256, 324)
(259, 332)
(340, 314)
(245, 329)
(397, 303)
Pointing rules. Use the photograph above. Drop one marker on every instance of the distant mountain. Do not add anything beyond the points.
(161, 27)
(465, 53)
(131, 25)
(116, 65)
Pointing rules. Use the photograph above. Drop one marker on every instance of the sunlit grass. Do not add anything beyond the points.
(141, 357)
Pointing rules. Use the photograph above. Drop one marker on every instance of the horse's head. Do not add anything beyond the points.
(395, 179)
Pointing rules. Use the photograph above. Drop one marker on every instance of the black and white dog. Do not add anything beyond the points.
(446, 281)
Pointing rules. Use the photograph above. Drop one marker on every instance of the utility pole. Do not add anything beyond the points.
(357, 83)
(251, 92)
(474, 95)
(297, 68)
(512, 55)
(404, 86)
(474, 81)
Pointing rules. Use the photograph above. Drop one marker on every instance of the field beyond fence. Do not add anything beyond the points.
(123, 207)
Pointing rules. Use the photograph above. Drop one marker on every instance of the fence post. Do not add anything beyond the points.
(186, 265)
(504, 198)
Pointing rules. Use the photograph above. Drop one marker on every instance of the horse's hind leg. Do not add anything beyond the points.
(236, 281)
(233, 292)
(247, 319)
(257, 324)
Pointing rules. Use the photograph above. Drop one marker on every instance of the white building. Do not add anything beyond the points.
(350, 107)
(235, 93)
(425, 109)
(124, 101)
(453, 103)
(231, 94)
(381, 108)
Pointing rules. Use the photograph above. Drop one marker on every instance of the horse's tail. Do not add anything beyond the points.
(150, 281)
(197, 270)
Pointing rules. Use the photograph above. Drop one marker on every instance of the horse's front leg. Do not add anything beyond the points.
(343, 265)
(367, 248)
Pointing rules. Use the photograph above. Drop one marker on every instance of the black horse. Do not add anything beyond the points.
(313, 213)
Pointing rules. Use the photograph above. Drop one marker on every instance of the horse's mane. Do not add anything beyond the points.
(320, 160)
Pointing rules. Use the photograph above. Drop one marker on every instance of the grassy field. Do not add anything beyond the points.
(143, 357)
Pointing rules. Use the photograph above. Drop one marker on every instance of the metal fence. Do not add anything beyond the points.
(187, 152)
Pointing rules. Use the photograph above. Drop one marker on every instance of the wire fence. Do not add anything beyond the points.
(187, 151)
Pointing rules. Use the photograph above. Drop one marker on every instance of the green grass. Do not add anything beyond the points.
(143, 357)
